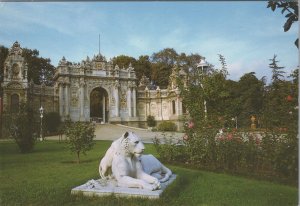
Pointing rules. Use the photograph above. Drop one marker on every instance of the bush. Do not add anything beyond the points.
(52, 122)
(171, 150)
(270, 155)
(167, 126)
(151, 121)
(80, 137)
(21, 127)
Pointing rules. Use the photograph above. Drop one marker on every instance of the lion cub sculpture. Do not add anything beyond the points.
(125, 162)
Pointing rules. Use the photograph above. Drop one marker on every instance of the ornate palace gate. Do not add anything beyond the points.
(95, 90)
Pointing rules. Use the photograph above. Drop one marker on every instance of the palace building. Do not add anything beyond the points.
(92, 90)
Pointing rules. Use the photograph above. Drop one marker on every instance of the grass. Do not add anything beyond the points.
(47, 175)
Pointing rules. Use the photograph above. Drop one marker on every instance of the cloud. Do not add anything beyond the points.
(59, 17)
(134, 29)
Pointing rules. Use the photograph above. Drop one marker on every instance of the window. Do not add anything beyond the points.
(173, 107)
(14, 104)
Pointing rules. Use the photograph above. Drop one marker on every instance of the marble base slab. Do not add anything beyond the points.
(102, 187)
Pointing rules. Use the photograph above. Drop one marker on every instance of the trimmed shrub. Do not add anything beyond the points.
(80, 137)
(52, 122)
(167, 126)
(151, 121)
(22, 128)
(171, 150)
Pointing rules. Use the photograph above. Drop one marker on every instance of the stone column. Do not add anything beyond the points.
(146, 109)
(67, 99)
(103, 109)
(134, 101)
(129, 102)
(5, 102)
(61, 99)
(117, 100)
(177, 106)
(81, 97)
(180, 106)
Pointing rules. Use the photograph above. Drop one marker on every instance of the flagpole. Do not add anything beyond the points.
(99, 44)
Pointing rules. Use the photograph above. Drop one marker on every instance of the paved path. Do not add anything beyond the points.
(113, 132)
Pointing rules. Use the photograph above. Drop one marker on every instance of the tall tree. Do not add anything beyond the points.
(3, 55)
(124, 61)
(277, 73)
(251, 91)
(143, 67)
(162, 64)
(293, 96)
(222, 60)
(40, 69)
(167, 56)
(276, 107)
(232, 103)
(204, 96)
(188, 62)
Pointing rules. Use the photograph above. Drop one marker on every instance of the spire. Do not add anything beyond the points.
(99, 45)
(16, 49)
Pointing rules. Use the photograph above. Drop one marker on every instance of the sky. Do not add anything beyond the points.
(247, 34)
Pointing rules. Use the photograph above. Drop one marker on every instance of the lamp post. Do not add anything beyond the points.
(235, 119)
(41, 116)
(203, 65)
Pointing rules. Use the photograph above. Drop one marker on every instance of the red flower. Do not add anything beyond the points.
(191, 125)
(289, 98)
(229, 136)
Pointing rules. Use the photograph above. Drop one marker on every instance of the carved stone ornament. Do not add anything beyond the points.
(74, 99)
(16, 49)
(14, 85)
(123, 100)
(117, 84)
(113, 101)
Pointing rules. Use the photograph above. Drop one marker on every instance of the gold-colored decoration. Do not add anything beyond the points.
(98, 64)
(253, 125)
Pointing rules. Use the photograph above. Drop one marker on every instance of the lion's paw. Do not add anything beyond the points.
(157, 184)
(149, 186)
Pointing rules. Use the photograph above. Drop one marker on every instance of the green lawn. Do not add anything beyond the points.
(46, 177)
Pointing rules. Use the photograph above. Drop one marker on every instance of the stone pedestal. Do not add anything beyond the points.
(102, 187)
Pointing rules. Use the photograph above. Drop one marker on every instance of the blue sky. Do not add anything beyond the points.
(246, 33)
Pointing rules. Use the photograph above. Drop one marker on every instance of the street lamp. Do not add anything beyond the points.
(235, 119)
(203, 65)
(41, 116)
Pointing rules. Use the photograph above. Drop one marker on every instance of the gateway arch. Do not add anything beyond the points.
(95, 90)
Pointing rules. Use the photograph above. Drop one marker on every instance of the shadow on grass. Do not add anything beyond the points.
(81, 161)
(43, 147)
(174, 190)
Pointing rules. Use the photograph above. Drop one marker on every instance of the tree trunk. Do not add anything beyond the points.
(78, 159)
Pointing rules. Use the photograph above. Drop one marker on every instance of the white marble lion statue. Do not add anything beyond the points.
(125, 162)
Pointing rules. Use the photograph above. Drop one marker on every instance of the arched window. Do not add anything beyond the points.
(14, 103)
(173, 107)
